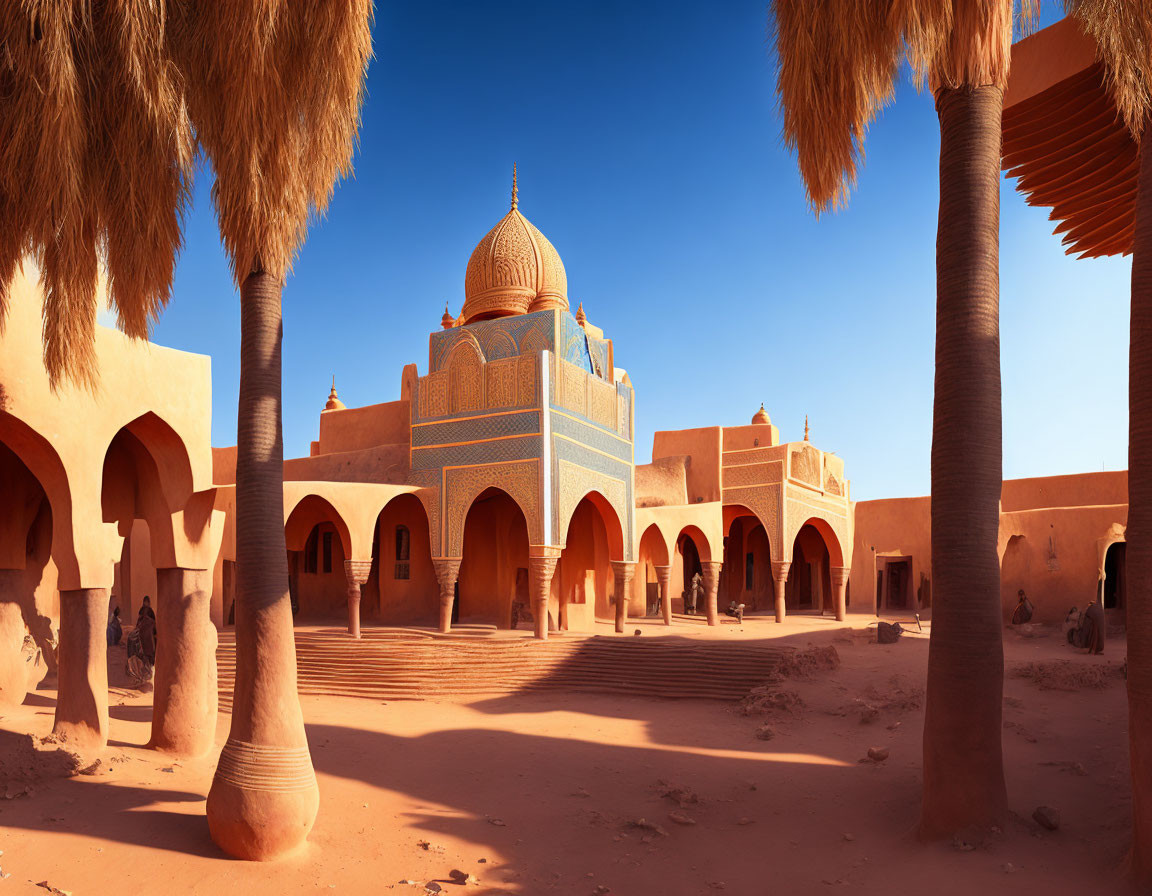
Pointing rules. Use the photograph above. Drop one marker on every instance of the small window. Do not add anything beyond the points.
(310, 551)
(749, 565)
(327, 552)
(403, 552)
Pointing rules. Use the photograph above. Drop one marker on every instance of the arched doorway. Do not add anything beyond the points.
(692, 552)
(402, 587)
(815, 551)
(145, 479)
(318, 542)
(28, 602)
(746, 576)
(652, 553)
(583, 586)
(1115, 587)
(494, 568)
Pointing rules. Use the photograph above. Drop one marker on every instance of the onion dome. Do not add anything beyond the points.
(447, 321)
(761, 416)
(513, 270)
(334, 402)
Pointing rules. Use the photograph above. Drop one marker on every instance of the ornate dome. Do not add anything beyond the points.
(761, 416)
(513, 270)
(334, 403)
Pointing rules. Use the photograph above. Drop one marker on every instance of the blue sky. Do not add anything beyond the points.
(650, 155)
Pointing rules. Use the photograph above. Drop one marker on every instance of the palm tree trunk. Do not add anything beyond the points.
(963, 763)
(264, 798)
(1139, 531)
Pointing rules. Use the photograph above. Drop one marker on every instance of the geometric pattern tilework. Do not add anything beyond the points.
(608, 468)
(520, 479)
(573, 346)
(469, 386)
(753, 474)
(748, 456)
(575, 482)
(592, 436)
(805, 465)
(496, 339)
(586, 395)
(486, 427)
(517, 448)
(764, 502)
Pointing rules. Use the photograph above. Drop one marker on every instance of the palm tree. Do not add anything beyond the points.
(838, 64)
(95, 157)
(1122, 30)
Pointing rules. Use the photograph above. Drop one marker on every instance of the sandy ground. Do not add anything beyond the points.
(592, 794)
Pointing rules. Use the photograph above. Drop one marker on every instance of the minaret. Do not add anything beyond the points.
(805, 427)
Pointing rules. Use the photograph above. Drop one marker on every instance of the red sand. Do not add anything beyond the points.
(549, 791)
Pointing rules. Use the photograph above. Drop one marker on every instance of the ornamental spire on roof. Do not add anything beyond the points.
(515, 192)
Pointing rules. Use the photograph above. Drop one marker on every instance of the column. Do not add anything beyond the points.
(82, 696)
(664, 581)
(623, 571)
(447, 572)
(839, 576)
(540, 572)
(711, 570)
(356, 571)
(779, 580)
(184, 707)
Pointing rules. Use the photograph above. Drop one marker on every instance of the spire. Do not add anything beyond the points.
(334, 402)
(581, 319)
(805, 427)
(515, 192)
(447, 321)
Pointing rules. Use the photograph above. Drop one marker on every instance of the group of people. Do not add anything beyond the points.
(1083, 629)
(141, 642)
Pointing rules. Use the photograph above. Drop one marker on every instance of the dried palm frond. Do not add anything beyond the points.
(838, 61)
(95, 156)
(1122, 30)
(274, 90)
(837, 67)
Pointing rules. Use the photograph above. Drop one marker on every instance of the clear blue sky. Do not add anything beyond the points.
(650, 155)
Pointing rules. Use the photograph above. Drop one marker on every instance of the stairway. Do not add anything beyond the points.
(398, 664)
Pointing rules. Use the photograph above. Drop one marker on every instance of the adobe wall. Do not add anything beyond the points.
(354, 429)
(704, 448)
(888, 527)
(1074, 490)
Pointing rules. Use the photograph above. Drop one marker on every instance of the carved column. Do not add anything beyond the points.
(664, 582)
(779, 580)
(711, 569)
(82, 697)
(623, 571)
(839, 576)
(356, 571)
(447, 572)
(540, 572)
(185, 702)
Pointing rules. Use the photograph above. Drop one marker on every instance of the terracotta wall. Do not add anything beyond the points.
(893, 527)
(1076, 490)
(704, 448)
(662, 483)
(224, 466)
(388, 599)
(354, 429)
(583, 583)
(383, 463)
(322, 596)
(495, 547)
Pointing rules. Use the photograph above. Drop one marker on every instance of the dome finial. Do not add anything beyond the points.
(581, 318)
(761, 416)
(515, 192)
(805, 427)
(334, 402)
